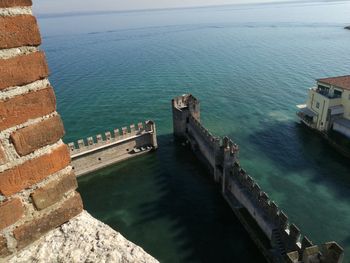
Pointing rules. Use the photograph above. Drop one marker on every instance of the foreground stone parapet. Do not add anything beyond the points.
(83, 239)
(21, 108)
(20, 31)
(40, 210)
(10, 212)
(33, 137)
(23, 70)
(51, 193)
(14, 3)
(37, 185)
(33, 171)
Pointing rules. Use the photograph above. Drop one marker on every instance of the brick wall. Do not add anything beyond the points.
(37, 184)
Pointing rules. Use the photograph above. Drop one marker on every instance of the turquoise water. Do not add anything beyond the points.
(249, 65)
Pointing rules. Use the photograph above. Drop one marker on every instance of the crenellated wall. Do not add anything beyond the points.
(284, 236)
(205, 141)
(285, 242)
(100, 151)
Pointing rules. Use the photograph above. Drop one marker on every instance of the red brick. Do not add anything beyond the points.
(3, 247)
(33, 137)
(17, 31)
(12, 3)
(33, 171)
(10, 212)
(3, 158)
(33, 230)
(21, 108)
(54, 191)
(23, 70)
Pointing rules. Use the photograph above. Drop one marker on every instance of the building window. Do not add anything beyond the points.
(323, 88)
(337, 93)
(317, 105)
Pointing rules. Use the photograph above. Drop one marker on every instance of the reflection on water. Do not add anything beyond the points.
(167, 203)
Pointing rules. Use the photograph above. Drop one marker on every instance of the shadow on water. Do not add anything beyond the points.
(167, 203)
(308, 177)
(294, 148)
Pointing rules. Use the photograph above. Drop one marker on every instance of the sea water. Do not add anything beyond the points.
(249, 65)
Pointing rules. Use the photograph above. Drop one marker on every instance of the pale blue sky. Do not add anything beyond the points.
(59, 6)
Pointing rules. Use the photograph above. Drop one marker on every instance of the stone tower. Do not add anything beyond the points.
(183, 107)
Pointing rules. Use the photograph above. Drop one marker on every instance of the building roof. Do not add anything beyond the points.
(341, 81)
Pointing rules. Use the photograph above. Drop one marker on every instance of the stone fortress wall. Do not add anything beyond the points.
(278, 239)
(100, 151)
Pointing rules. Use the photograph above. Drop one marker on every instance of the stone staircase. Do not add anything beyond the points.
(277, 244)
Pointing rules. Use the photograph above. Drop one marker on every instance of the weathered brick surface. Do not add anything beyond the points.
(33, 137)
(31, 231)
(2, 156)
(10, 212)
(21, 108)
(3, 247)
(54, 191)
(33, 171)
(17, 31)
(12, 3)
(23, 70)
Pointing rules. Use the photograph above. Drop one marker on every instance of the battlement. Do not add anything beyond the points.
(125, 133)
(204, 132)
(238, 187)
(288, 233)
(99, 151)
(285, 236)
(329, 252)
(229, 146)
(184, 101)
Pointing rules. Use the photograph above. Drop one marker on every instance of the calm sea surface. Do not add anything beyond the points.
(249, 65)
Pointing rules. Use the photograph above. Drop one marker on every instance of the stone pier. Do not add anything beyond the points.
(100, 151)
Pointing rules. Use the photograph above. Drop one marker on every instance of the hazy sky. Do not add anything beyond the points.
(59, 6)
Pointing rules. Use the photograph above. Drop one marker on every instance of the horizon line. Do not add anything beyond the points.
(90, 12)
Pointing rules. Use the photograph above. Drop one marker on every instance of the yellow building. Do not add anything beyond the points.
(328, 105)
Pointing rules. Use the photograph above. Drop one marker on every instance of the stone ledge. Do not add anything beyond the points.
(82, 239)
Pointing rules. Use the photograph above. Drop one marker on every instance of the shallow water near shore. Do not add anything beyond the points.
(249, 66)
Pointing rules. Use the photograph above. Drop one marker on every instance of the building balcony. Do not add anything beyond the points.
(306, 115)
(326, 93)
